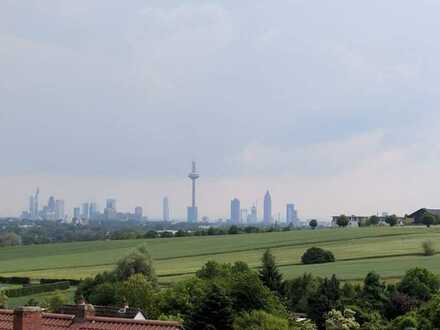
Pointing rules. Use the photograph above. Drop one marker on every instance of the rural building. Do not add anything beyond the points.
(418, 215)
(84, 318)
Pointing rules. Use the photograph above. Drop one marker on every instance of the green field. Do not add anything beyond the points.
(388, 251)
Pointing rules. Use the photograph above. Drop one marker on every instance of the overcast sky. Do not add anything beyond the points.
(332, 105)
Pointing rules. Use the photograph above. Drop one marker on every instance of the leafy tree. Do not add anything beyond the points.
(269, 273)
(214, 312)
(103, 294)
(341, 321)
(399, 304)
(183, 298)
(313, 223)
(373, 220)
(428, 219)
(4, 300)
(430, 312)
(342, 221)
(138, 262)
(233, 230)
(428, 248)
(419, 283)
(391, 220)
(315, 255)
(299, 291)
(260, 320)
(326, 299)
(55, 301)
(138, 292)
(9, 239)
(213, 269)
(248, 293)
(406, 322)
(373, 291)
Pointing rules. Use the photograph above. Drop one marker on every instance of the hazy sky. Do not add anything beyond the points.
(332, 105)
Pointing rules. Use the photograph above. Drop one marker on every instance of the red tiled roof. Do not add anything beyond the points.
(6, 319)
(95, 323)
(67, 322)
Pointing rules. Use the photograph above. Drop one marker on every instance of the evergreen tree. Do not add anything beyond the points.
(269, 273)
(214, 312)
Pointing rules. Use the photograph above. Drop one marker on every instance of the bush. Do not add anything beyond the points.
(15, 280)
(316, 255)
(428, 248)
(34, 289)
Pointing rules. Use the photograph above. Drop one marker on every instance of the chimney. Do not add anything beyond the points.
(28, 318)
(83, 312)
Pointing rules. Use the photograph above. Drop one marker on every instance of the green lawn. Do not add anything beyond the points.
(389, 251)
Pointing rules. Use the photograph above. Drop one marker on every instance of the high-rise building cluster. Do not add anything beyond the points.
(54, 210)
(89, 211)
(242, 216)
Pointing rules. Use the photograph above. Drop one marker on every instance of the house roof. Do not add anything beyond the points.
(69, 322)
(435, 212)
(106, 311)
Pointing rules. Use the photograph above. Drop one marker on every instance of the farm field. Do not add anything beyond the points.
(388, 251)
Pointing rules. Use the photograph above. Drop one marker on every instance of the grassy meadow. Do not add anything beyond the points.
(388, 251)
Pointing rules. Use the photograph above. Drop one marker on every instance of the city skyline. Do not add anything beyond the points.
(87, 210)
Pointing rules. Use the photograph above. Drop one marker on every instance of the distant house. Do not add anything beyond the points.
(418, 215)
(84, 318)
(354, 220)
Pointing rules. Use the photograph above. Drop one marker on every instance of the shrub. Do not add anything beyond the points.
(34, 289)
(428, 248)
(316, 255)
(15, 280)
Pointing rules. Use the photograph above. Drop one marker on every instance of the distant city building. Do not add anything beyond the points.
(33, 205)
(59, 209)
(165, 209)
(76, 213)
(235, 211)
(252, 217)
(51, 204)
(291, 215)
(267, 211)
(93, 210)
(138, 212)
(110, 210)
(192, 212)
(85, 211)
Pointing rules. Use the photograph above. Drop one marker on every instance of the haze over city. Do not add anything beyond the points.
(326, 104)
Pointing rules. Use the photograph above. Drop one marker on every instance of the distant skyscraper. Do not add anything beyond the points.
(85, 212)
(59, 209)
(51, 204)
(33, 205)
(77, 213)
(235, 211)
(93, 210)
(291, 215)
(252, 217)
(138, 212)
(267, 216)
(110, 209)
(192, 212)
(166, 209)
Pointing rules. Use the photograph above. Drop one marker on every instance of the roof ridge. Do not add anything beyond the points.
(122, 320)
